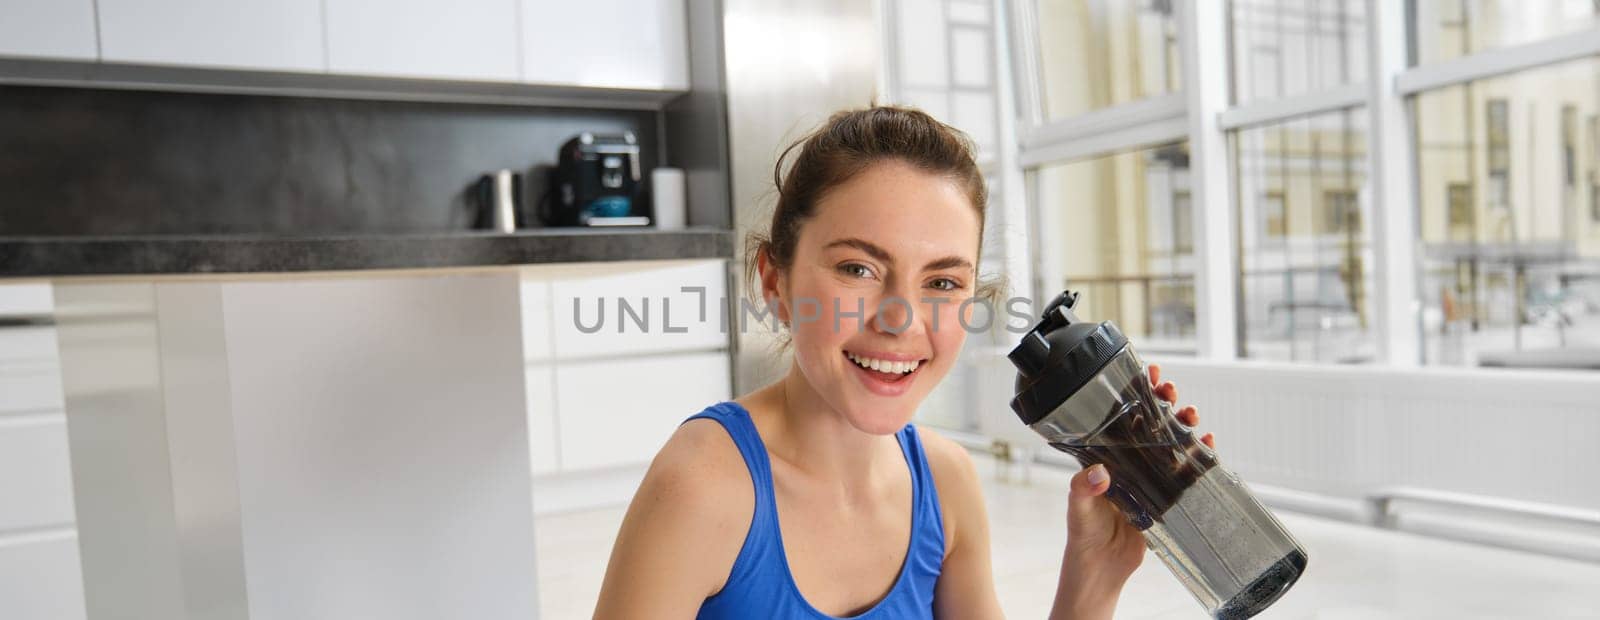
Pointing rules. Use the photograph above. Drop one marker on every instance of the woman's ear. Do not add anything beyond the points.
(772, 282)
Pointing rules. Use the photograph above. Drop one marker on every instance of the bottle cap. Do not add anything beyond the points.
(1058, 355)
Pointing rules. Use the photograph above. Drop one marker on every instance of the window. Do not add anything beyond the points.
(1340, 213)
(1283, 48)
(1305, 278)
(1118, 229)
(1509, 272)
(1594, 200)
(1569, 145)
(1459, 196)
(1182, 222)
(1499, 141)
(1446, 29)
(1100, 53)
(943, 62)
(1276, 214)
(1504, 157)
(1594, 167)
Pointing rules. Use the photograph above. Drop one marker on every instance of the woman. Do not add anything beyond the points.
(814, 497)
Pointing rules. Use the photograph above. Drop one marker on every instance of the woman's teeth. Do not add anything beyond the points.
(900, 368)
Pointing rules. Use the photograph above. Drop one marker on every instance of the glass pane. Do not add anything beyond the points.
(1099, 53)
(1446, 29)
(1283, 48)
(1119, 229)
(1303, 237)
(1509, 174)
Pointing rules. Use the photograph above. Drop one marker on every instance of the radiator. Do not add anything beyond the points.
(1351, 431)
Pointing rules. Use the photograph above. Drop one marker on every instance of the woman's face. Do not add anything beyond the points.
(874, 290)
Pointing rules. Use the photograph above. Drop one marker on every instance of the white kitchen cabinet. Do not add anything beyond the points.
(48, 29)
(611, 397)
(41, 578)
(35, 474)
(625, 309)
(285, 35)
(30, 371)
(620, 412)
(25, 299)
(465, 39)
(29, 387)
(639, 44)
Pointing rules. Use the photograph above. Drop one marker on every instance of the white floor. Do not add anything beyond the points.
(1354, 571)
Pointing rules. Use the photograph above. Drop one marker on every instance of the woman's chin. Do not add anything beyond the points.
(880, 420)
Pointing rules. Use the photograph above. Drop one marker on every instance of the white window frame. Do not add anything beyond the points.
(1203, 37)
(1203, 115)
(1499, 61)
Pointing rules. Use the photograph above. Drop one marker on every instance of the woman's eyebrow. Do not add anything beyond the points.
(881, 254)
(865, 246)
(947, 263)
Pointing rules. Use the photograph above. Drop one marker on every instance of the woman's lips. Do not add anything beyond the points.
(882, 383)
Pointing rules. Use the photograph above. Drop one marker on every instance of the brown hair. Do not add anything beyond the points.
(847, 144)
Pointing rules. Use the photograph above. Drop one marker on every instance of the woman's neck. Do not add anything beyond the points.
(807, 433)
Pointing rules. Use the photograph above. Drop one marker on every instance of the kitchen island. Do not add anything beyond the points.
(332, 426)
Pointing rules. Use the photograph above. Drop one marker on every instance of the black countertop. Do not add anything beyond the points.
(34, 257)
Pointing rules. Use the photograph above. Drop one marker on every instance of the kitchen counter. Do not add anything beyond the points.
(269, 424)
(33, 257)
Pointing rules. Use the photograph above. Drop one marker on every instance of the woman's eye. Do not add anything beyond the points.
(945, 284)
(856, 269)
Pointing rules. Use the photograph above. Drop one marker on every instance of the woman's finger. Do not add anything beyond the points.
(1209, 441)
(1155, 374)
(1189, 416)
(1167, 392)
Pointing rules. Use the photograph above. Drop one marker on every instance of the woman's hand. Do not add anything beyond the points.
(1187, 415)
(1103, 549)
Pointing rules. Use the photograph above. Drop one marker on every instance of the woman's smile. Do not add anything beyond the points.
(885, 374)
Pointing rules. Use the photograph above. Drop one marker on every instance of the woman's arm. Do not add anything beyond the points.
(1103, 550)
(683, 529)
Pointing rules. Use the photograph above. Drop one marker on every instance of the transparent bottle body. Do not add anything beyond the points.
(1198, 517)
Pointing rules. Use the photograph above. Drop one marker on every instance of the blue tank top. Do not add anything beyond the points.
(760, 584)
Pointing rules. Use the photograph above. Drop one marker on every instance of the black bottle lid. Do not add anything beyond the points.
(1059, 355)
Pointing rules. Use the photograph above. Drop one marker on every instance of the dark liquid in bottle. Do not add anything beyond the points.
(1152, 458)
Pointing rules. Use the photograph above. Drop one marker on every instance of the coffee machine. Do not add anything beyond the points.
(596, 182)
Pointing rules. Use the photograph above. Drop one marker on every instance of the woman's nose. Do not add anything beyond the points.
(895, 313)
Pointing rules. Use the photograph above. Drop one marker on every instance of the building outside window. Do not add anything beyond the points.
(1499, 141)
(1304, 250)
(1294, 47)
(1448, 29)
(1303, 247)
(1504, 167)
(1095, 54)
(1117, 229)
(1594, 168)
(1458, 197)
(1569, 145)
(1511, 274)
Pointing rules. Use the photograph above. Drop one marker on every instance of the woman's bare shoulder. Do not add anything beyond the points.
(956, 478)
(700, 471)
(684, 528)
(948, 459)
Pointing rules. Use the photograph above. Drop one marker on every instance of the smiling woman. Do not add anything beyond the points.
(814, 497)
